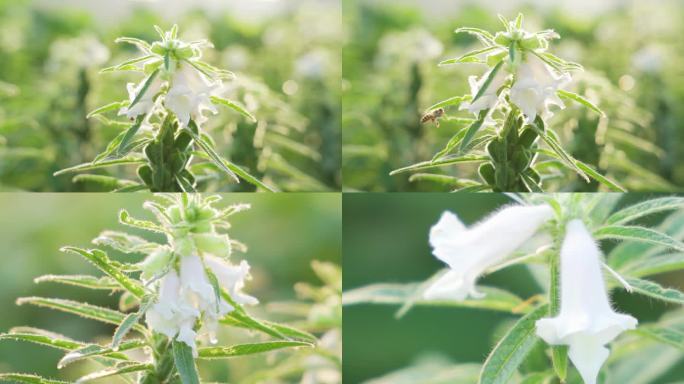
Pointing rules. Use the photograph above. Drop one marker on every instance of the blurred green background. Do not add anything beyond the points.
(284, 233)
(385, 239)
(285, 54)
(631, 51)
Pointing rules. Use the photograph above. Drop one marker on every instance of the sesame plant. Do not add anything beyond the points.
(166, 111)
(173, 301)
(570, 333)
(511, 102)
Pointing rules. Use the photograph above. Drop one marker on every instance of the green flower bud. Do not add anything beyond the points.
(156, 262)
(502, 38)
(212, 243)
(184, 246)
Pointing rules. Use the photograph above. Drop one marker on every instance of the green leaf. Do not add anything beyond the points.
(248, 349)
(472, 130)
(485, 37)
(655, 264)
(640, 234)
(141, 44)
(88, 311)
(207, 148)
(557, 149)
(445, 161)
(107, 108)
(119, 370)
(126, 219)
(654, 290)
(488, 81)
(144, 88)
(510, 352)
(130, 321)
(234, 106)
(41, 337)
(123, 242)
(612, 185)
(280, 331)
(29, 379)
(575, 97)
(468, 57)
(94, 350)
(124, 145)
(398, 294)
(645, 208)
(456, 100)
(185, 363)
(248, 177)
(91, 282)
(101, 164)
(128, 65)
(667, 335)
(537, 378)
(100, 259)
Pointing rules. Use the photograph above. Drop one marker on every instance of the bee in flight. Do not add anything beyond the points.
(433, 116)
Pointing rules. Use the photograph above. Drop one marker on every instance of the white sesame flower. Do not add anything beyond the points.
(146, 103)
(470, 251)
(490, 98)
(189, 95)
(535, 87)
(232, 278)
(586, 322)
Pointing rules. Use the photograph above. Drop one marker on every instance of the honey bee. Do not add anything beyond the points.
(433, 116)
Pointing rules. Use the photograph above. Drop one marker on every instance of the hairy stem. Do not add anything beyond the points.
(559, 354)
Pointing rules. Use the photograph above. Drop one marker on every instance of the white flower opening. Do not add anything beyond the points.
(586, 322)
(469, 252)
(189, 95)
(535, 87)
(490, 97)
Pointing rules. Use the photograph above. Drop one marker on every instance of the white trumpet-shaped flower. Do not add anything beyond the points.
(189, 95)
(470, 251)
(489, 97)
(535, 87)
(586, 322)
(188, 296)
(146, 102)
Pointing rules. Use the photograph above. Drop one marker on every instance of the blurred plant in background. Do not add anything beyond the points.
(288, 80)
(627, 54)
(186, 289)
(554, 236)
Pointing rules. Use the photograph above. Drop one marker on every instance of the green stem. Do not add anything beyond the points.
(162, 359)
(559, 354)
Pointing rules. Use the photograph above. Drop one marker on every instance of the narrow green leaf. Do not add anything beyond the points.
(100, 259)
(656, 291)
(398, 294)
(452, 101)
(555, 146)
(107, 108)
(101, 164)
(468, 57)
(234, 106)
(126, 219)
(488, 81)
(645, 208)
(612, 185)
(144, 88)
(130, 321)
(91, 282)
(575, 97)
(666, 335)
(185, 363)
(128, 64)
(248, 349)
(124, 146)
(472, 130)
(207, 148)
(485, 37)
(41, 337)
(280, 330)
(94, 350)
(440, 163)
(655, 264)
(640, 234)
(510, 352)
(28, 379)
(116, 371)
(124, 242)
(88, 311)
(141, 44)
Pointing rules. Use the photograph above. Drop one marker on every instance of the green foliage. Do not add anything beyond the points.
(179, 216)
